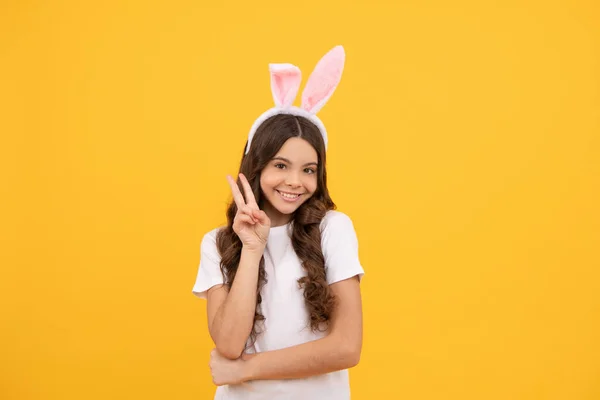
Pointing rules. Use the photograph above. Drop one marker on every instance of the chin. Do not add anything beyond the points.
(287, 209)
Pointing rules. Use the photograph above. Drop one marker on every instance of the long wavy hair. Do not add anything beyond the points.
(306, 233)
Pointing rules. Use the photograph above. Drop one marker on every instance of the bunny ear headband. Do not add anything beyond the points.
(285, 82)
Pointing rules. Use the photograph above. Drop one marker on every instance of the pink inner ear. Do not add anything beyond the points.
(323, 80)
(285, 82)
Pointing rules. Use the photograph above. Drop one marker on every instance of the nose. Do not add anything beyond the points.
(292, 179)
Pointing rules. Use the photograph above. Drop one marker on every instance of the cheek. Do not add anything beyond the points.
(268, 181)
(311, 183)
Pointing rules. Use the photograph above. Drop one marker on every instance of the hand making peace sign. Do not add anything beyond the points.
(251, 224)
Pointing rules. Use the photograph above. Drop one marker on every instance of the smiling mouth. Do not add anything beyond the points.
(289, 196)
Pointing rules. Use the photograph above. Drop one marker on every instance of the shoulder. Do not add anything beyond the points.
(336, 220)
(211, 235)
(339, 243)
(337, 227)
(208, 244)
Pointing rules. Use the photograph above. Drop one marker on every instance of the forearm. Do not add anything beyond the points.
(234, 320)
(313, 358)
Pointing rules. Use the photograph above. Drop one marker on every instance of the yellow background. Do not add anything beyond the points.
(464, 144)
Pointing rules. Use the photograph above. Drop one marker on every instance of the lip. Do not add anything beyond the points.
(286, 199)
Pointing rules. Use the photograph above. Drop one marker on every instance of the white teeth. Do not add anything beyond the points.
(289, 196)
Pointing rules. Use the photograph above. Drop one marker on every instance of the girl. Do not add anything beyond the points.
(282, 278)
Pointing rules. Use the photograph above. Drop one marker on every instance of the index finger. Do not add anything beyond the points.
(250, 200)
(235, 191)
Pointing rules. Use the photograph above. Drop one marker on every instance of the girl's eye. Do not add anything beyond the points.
(306, 170)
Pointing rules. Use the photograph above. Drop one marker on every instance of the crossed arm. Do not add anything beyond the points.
(340, 349)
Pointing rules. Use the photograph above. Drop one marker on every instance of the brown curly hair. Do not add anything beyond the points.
(306, 233)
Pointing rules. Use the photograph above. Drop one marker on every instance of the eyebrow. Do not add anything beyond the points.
(289, 162)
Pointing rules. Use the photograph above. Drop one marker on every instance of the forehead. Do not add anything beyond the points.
(298, 150)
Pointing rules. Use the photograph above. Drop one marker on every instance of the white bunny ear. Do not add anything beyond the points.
(323, 80)
(285, 82)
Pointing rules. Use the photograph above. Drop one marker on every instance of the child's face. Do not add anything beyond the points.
(289, 179)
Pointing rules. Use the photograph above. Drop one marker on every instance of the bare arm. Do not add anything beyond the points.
(338, 350)
(231, 312)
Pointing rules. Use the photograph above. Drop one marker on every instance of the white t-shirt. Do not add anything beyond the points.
(286, 316)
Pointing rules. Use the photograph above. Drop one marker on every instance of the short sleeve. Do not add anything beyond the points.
(209, 270)
(340, 247)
